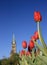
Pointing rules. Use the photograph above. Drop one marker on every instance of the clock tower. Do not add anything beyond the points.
(13, 50)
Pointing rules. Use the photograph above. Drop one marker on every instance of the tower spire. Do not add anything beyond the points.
(13, 39)
(13, 45)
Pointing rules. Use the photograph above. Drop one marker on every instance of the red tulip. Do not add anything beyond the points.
(24, 44)
(36, 35)
(33, 38)
(29, 48)
(31, 44)
(37, 16)
(22, 52)
(28, 53)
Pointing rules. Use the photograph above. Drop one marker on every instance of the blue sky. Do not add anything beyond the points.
(16, 16)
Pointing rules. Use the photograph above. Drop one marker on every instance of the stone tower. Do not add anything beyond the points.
(13, 50)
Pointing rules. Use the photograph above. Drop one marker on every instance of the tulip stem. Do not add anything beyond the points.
(41, 48)
(41, 38)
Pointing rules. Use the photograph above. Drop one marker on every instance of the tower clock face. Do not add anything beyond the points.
(13, 42)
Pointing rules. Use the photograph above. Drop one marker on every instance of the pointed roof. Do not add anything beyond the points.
(13, 39)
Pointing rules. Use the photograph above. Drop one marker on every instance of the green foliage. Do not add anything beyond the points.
(13, 60)
(4, 62)
(0, 62)
(39, 60)
(33, 60)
